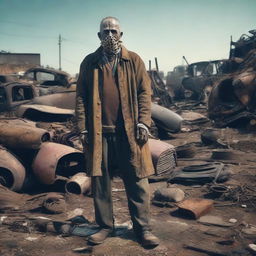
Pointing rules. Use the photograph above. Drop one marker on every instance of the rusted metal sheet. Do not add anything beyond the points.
(195, 207)
(44, 113)
(14, 121)
(12, 172)
(64, 100)
(160, 94)
(165, 118)
(163, 156)
(192, 117)
(243, 45)
(232, 100)
(232, 97)
(80, 183)
(22, 136)
(56, 159)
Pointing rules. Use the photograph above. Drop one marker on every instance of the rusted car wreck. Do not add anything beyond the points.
(233, 98)
(48, 81)
(201, 76)
(13, 94)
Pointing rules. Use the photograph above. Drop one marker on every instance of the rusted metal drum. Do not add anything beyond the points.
(78, 184)
(56, 159)
(22, 136)
(163, 156)
(165, 118)
(12, 172)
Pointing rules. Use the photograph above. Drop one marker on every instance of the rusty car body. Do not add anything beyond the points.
(202, 75)
(232, 100)
(13, 94)
(49, 81)
(54, 160)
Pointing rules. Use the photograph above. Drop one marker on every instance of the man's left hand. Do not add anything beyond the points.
(142, 134)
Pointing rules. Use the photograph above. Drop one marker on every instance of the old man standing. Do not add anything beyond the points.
(113, 111)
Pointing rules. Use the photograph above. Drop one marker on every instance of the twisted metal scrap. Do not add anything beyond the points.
(244, 194)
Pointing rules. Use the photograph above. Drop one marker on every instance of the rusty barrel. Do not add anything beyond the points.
(54, 160)
(22, 136)
(12, 172)
(80, 183)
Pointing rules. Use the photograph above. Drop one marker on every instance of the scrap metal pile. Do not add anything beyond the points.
(28, 155)
(233, 98)
(201, 164)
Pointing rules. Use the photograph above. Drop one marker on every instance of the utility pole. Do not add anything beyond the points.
(59, 43)
(157, 69)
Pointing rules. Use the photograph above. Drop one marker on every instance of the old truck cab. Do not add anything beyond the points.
(13, 94)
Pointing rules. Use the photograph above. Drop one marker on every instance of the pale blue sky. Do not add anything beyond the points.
(166, 29)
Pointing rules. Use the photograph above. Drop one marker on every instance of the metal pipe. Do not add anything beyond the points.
(185, 59)
(79, 184)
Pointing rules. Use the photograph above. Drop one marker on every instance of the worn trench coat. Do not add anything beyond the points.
(135, 97)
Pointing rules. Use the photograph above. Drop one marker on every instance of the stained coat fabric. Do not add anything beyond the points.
(135, 97)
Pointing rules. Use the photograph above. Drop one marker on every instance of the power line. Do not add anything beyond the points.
(70, 61)
(41, 37)
(17, 23)
(30, 36)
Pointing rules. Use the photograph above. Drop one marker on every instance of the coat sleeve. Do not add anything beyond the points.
(143, 93)
(80, 108)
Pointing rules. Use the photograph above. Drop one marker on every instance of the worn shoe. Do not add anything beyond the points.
(147, 239)
(100, 236)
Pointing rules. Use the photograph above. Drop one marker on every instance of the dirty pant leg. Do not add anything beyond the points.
(102, 193)
(137, 191)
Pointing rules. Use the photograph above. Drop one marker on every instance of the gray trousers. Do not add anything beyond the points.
(116, 157)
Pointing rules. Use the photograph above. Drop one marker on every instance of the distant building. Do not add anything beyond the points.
(20, 58)
(17, 62)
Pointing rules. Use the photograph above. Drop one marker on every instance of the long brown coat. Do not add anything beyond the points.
(135, 96)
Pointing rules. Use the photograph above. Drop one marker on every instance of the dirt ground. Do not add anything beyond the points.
(179, 235)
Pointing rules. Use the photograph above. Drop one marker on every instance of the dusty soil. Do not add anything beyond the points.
(179, 235)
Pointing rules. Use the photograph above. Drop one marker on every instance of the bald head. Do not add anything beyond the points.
(110, 26)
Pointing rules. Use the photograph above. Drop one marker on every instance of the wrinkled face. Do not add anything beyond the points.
(110, 26)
